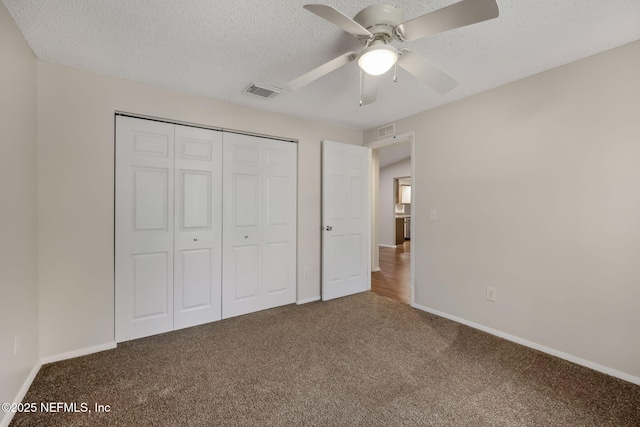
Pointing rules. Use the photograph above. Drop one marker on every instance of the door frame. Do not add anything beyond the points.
(375, 189)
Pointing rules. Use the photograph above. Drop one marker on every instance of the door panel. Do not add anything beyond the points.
(339, 259)
(346, 219)
(198, 229)
(356, 247)
(260, 224)
(276, 267)
(277, 193)
(196, 199)
(245, 155)
(355, 198)
(196, 279)
(246, 201)
(149, 139)
(279, 184)
(144, 228)
(150, 285)
(150, 198)
(246, 265)
(196, 149)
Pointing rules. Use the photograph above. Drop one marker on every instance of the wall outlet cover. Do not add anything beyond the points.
(492, 294)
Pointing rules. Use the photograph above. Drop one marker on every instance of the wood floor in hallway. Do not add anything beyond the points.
(393, 279)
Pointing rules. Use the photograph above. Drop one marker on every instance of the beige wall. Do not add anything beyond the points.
(537, 187)
(18, 247)
(75, 165)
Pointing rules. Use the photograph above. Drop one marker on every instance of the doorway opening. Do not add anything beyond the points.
(393, 220)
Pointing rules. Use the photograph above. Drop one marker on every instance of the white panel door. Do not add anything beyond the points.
(144, 228)
(259, 217)
(346, 216)
(198, 226)
(279, 224)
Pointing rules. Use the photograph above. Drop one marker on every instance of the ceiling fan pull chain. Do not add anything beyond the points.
(395, 72)
(361, 87)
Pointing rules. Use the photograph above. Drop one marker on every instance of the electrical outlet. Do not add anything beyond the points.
(433, 214)
(492, 294)
(305, 274)
(16, 343)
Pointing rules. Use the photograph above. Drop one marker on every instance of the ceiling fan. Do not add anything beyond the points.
(377, 25)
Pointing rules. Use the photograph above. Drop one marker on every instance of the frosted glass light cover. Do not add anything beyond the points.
(378, 60)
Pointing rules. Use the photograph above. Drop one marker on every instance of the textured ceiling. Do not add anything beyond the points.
(216, 48)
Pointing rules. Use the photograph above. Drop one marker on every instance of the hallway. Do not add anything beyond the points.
(394, 279)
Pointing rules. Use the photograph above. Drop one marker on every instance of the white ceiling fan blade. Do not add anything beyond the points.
(457, 15)
(316, 73)
(338, 18)
(368, 88)
(426, 72)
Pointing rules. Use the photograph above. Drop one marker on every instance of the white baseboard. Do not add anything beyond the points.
(78, 353)
(308, 300)
(374, 269)
(535, 346)
(6, 420)
(387, 246)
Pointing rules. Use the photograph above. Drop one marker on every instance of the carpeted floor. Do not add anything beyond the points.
(363, 360)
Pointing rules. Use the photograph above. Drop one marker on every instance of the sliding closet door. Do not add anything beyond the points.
(170, 220)
(259, 217)
(144, 228)
(198, 226)
(168, 227)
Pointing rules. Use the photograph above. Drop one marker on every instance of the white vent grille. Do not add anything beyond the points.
(387, 130)
(262, 90)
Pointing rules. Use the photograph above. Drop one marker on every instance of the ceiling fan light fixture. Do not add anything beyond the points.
(377, 59)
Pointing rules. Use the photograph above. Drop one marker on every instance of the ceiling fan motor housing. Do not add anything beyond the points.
(380, 20)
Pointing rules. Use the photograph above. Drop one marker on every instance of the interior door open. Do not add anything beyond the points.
(346, 218)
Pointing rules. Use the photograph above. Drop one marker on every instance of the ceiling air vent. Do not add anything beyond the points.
(387, 130)
(262, 90)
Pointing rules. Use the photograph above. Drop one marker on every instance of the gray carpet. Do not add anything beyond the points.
(363, 360)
